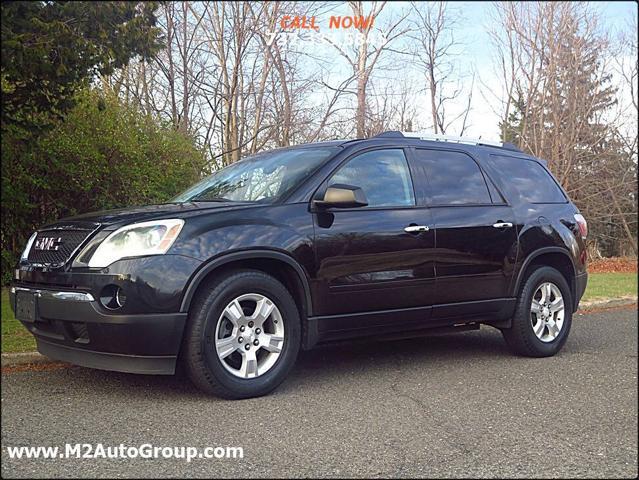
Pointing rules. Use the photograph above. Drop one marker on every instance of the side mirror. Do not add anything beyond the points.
(342, 196)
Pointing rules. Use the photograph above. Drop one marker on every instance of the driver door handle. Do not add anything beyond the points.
(416, 228)
(502, 225)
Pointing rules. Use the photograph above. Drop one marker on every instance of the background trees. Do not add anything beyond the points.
(105, 154)
(220, 80)
(565, 108)
(68, 147)
(49, 49)
(436, 50)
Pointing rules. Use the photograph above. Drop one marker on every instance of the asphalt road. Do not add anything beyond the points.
(453, 406)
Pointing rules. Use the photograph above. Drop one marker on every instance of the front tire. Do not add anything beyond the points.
(243, 335)
(543, 316)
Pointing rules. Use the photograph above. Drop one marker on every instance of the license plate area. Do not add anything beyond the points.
(26, 306)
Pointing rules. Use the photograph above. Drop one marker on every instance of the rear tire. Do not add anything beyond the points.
(539, 327)
(243, 335)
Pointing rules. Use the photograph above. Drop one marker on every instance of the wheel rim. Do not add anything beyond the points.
(249, 335)
(547, 312)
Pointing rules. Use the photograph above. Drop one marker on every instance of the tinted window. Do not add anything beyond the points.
(453, 178)
(383, 175)
(530, 179)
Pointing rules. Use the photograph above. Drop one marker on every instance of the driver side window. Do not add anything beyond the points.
(383, 175)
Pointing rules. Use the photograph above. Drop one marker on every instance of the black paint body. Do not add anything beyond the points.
(354, 272)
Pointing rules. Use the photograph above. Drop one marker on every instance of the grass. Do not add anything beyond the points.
(610, 285)
(16, 338)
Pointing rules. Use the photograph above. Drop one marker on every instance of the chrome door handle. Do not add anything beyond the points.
(416, 228)
(502, 225)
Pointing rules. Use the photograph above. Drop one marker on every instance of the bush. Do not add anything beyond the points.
(104, 154)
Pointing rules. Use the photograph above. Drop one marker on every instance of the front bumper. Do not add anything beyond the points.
(70, 326)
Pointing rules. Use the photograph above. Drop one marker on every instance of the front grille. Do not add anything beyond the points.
(58, 245)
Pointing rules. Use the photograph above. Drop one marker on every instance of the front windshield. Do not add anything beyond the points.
(260, 178)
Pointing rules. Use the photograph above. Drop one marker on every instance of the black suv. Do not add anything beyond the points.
(390, 236)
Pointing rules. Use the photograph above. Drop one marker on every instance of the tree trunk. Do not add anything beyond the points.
(433, 96)
(362, 80)
(624, 223)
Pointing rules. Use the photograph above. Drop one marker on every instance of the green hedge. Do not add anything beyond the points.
(104, 154)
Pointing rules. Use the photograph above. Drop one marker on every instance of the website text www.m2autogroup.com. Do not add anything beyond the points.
(121, 451)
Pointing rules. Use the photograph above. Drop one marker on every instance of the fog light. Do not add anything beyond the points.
(112, 297)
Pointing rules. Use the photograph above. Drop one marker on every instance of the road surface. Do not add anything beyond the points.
(453, 406)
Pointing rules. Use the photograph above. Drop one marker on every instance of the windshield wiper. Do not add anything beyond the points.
(211, 199)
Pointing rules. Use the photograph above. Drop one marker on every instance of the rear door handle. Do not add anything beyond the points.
(416, 228)
(502, 225)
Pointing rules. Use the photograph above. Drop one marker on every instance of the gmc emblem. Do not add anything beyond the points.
(48, 243)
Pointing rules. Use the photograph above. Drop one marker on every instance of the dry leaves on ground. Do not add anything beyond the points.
(613, 265)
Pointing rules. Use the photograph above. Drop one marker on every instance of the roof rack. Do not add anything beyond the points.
(437, 137)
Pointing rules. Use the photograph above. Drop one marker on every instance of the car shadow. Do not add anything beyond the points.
(320, 364)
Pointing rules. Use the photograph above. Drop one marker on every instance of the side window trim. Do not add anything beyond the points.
(325, 183)
(427, 199)
(421, 191)
(489, 174)
(492, 188)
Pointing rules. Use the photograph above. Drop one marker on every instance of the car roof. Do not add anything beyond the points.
(426, 140)
(418, 138)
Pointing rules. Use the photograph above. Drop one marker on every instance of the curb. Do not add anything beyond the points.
(30, 358)
(608, 303)
(23, 358)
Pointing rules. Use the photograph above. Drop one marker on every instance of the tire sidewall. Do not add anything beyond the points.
(277, 293)
(539, 276)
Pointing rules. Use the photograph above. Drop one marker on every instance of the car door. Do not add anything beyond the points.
(377, 257)
(476, 240)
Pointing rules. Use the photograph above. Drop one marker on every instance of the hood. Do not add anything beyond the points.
(124, 216)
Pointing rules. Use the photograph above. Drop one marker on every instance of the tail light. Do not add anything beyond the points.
(582, 224)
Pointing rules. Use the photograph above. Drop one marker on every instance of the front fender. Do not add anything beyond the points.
(230, 257)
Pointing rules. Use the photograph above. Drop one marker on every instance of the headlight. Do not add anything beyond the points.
(25, 254)
(147, 238)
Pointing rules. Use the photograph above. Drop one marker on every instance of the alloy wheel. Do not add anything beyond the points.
(547, 312)
(249, 336)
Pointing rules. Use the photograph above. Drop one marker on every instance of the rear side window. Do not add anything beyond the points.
(530, 179)
(453, 178)
(383, 175)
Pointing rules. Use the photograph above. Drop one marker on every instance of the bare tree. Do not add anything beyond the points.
(229, 36)
(365, 56)
(561, 103)
(435, 52)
